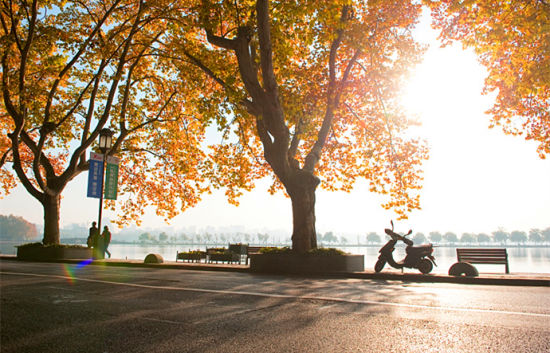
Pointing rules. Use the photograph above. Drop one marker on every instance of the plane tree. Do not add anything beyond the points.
(72, 68)
(308, 93)
(511, 39)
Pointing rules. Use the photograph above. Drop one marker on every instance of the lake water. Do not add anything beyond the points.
(534, 260)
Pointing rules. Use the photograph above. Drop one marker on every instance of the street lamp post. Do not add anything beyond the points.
(105, 144)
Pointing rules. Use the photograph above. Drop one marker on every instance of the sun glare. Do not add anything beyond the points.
(446, 85)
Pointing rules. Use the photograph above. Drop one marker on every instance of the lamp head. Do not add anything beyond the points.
(105, 140)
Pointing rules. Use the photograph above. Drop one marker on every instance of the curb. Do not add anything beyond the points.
(503, 280)
(533, 282)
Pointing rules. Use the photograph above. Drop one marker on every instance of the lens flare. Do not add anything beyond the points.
(70, 270)
(84, 263)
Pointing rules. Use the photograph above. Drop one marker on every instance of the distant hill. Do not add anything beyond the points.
(15, 228)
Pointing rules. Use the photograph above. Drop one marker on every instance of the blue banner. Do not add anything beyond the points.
(95, 175)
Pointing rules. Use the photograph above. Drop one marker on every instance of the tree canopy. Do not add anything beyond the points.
(307, 93)
(512, 40)
(71, 68)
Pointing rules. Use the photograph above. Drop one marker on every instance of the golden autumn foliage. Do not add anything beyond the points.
(307, 93)
(71, 68)
(302, 91)
(512, 40)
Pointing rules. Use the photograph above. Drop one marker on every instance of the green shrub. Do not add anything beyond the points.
(326, 252)
(312, 252)
(192, 255)
(30, 245)
(274, 250)
(217, 251)
(220, 252)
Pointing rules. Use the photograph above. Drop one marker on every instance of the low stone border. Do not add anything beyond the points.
(52, 253)
(302, 264)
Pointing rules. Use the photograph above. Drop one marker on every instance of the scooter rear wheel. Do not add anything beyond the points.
(379, 265)
(425, 266)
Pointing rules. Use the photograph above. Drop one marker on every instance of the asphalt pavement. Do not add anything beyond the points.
(124, 306)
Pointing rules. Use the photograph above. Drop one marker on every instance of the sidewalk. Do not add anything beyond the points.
(512, 279)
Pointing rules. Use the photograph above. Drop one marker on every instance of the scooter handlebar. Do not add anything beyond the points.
(396, 236)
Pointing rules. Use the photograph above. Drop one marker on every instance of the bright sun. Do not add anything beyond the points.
(446, 84)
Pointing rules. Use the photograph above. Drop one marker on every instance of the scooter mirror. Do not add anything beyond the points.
(391, 224)
(410, 231)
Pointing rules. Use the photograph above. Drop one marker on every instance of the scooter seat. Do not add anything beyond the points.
(418, 249)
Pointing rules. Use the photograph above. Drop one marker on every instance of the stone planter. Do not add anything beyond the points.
(40, 253)
(306, 264)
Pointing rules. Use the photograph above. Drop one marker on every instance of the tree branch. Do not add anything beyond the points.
(266, 52)
(315, 153)
(75, 58)
(129, 77)
(17, 166)
(295, 142)
(25, 52)
(91, 108)
(220, 41)
(246, 103)
(156, 118)
(12, 110)
(345, 77)
(4, 158)
(195, 61)
(73, 166)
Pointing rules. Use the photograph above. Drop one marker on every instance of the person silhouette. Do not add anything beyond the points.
(106, 237)
(92, 236)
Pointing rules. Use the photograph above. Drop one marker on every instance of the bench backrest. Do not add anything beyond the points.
(483, 256)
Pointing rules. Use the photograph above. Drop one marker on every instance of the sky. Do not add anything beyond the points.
(476, 180)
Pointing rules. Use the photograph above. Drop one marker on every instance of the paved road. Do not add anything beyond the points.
(53, 307)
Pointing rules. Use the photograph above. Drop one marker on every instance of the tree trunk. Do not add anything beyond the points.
(50, 203)
(301, 190)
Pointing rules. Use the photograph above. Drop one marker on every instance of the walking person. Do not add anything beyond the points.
(106, 238)
(92, 236)
(93, 241)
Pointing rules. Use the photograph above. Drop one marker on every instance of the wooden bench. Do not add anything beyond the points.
(483, 256)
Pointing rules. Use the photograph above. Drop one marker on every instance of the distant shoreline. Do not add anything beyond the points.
(339, 245)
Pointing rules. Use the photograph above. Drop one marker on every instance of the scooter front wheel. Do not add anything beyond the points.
(425, 266)
(379, 265)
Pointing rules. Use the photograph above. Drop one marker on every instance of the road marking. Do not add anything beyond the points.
(284, 296)
(165, 321)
